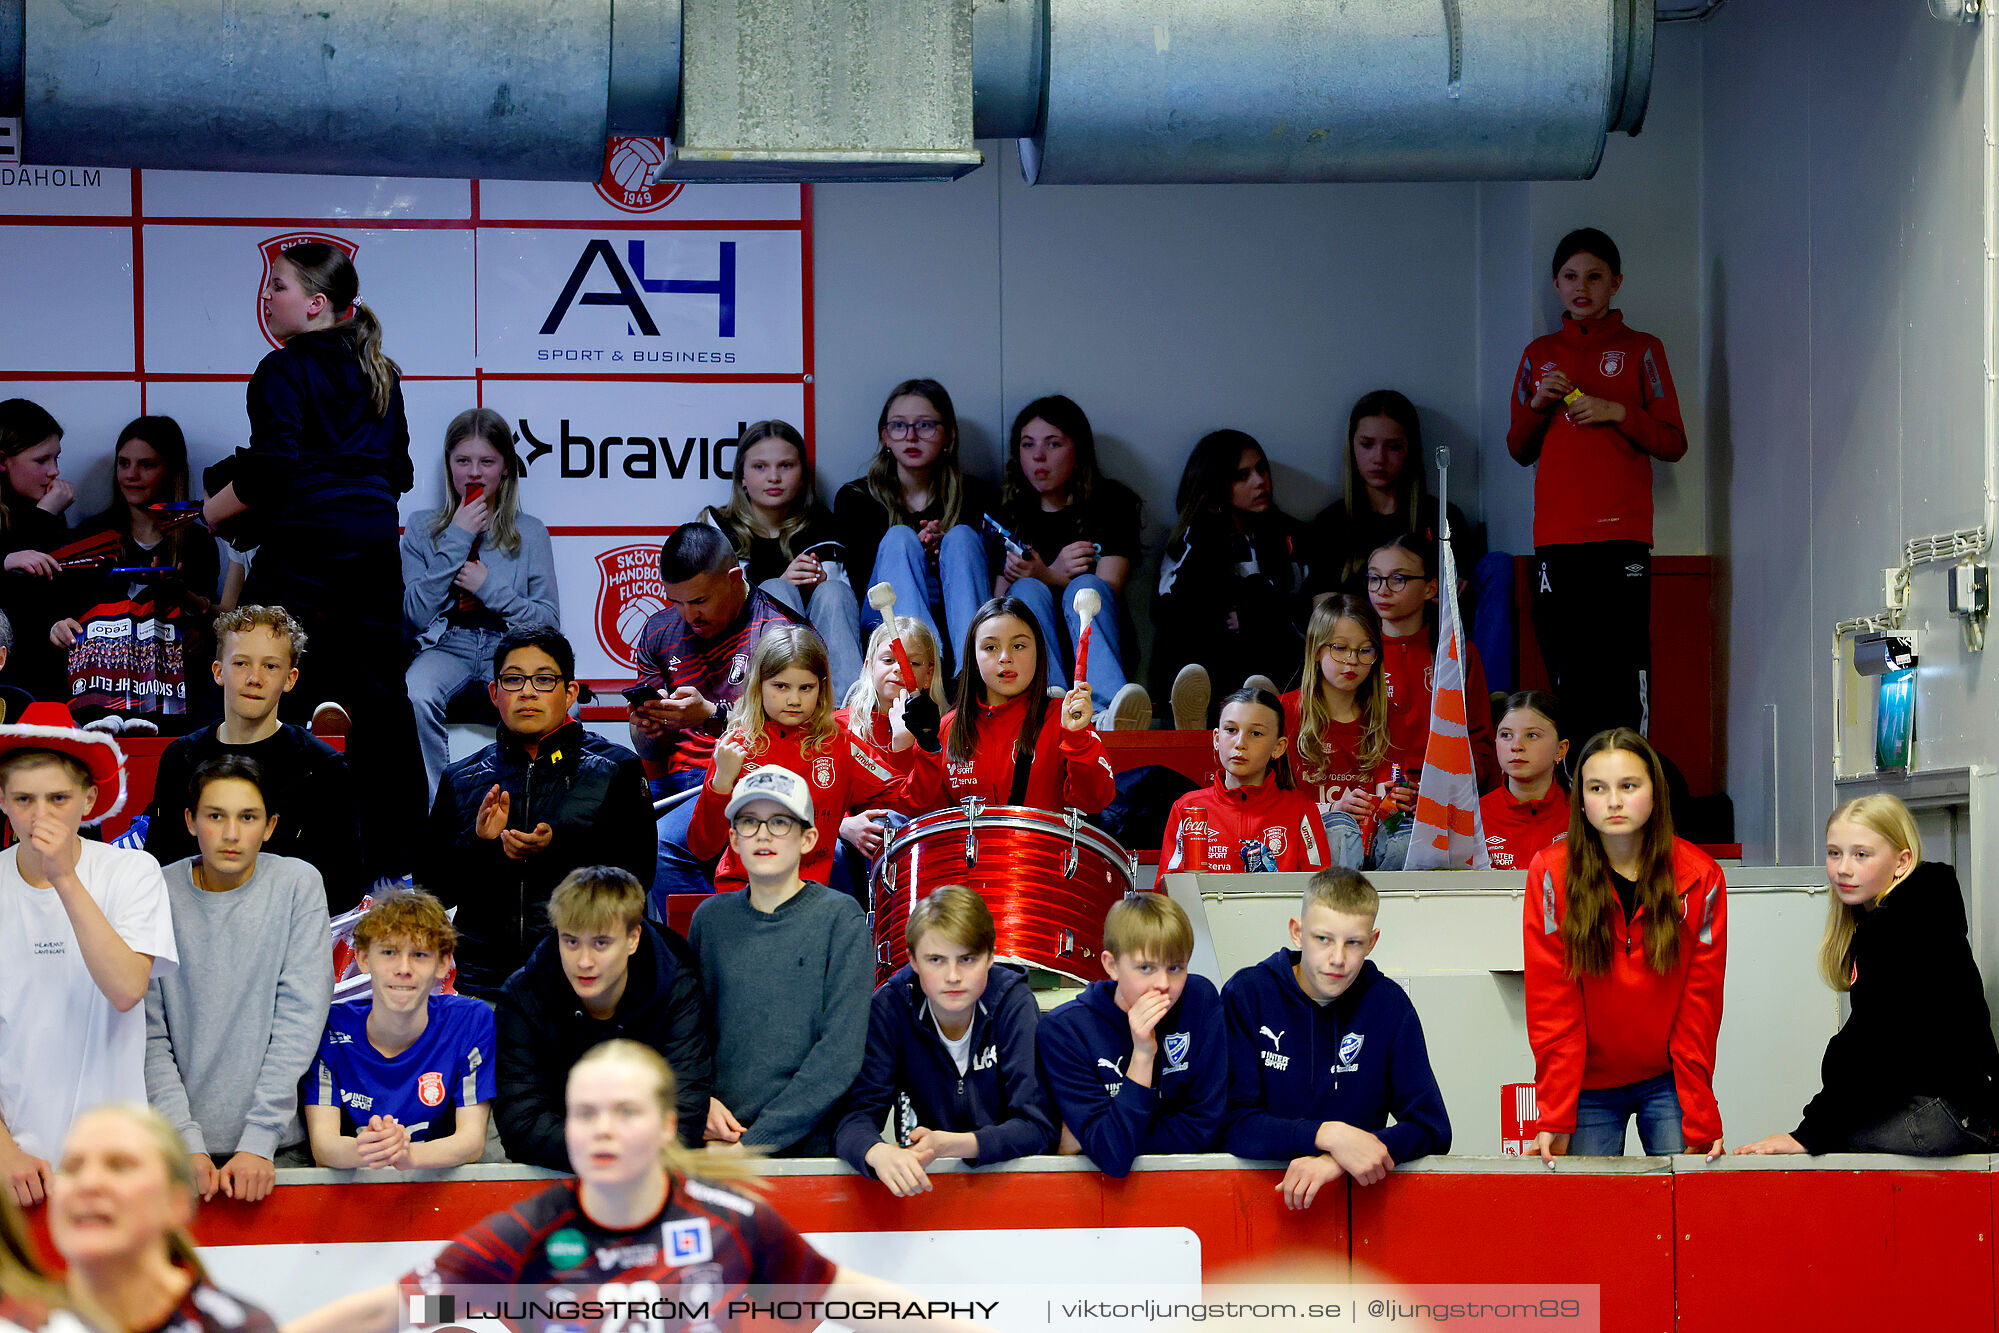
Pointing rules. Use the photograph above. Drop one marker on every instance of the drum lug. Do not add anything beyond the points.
(1065, 942)
(881, 953)
(888, 878)
(972, 806)
(1074, 818)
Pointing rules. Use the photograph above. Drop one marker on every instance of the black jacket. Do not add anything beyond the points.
(544, 1031)
(1919, 1025)
(592, 795)
(1000, 1099)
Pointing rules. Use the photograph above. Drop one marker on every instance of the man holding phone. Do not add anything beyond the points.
(693, 658)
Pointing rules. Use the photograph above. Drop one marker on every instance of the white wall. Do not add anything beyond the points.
(1842, 224)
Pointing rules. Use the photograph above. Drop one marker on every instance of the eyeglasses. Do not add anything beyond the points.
(780, 826)
(1396, 582)
(927, 429)
(513, 683)
(1341, 653)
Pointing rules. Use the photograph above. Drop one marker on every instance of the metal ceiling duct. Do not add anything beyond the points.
(1306, 90)
(1096, 90)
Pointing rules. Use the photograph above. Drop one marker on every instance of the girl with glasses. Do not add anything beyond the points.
(913, 519)
(1081, 531)
(1402, 588)
(473, 568)
(1338, 724)
(787, 541)
(1230, 604)
(785, 718)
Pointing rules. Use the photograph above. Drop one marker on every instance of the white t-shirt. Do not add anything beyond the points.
(63, 1047)
(960, 1049)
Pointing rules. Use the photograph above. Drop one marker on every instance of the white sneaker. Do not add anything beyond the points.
(1130, 710)
(1260, 682)
(1191, 692)
(139, 726)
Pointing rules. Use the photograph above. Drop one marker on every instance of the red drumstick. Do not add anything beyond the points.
(882, 598)
(1088, 603)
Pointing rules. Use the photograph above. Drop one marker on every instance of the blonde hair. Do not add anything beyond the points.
(738, 519)
(273, 618)
(862, 701)
(1149, 924)
(1886, 816)
(21, 1276)
(406, 914)
(1341, 890)
(740, 1171)
(483, 423)
(957, 913)
(179, 1166)
(597, 898)
(782, 648)
(1315, 712)
(327, 270)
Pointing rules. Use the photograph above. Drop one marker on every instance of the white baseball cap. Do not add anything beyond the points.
(772, 783)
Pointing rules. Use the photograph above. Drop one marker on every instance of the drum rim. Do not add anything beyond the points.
(1023, 818)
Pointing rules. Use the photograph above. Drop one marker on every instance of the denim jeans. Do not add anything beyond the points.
(1601, 1114)
(1922, 1127)
(965, 582)
(831, 609)
(1106, 634)
(434, 678)
(1349, 848)
(676, 869)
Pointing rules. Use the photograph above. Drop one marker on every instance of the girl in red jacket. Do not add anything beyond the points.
(1593, 406)
(1626, 941)
(865, 717)
(1251, 817)
(785, 717)
(1000, 744)
(1531, 811)
(1402, 587)
(1338, 725)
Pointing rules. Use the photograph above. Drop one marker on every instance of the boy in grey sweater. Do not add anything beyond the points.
(229, 1035)
(788, 971)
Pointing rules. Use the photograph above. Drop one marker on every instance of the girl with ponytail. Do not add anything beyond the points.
(315, 492)
(119, 1209)
(634, 1184)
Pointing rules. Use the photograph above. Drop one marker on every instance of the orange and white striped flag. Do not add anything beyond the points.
(1448, 834)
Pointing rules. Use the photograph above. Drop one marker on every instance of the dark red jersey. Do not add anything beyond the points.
(670, 655)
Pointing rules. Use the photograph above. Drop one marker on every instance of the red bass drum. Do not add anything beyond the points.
(1048, 878)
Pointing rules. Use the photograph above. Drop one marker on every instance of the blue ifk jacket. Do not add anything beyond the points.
(1295, 1064)
(1085, 1046)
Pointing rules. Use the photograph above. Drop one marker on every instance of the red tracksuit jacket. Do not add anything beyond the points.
(1515, 830)
(1342, 767)
(1594, 483)
(1407, 667)
(845, 776)
(1070, 767)
(1286, 823)
(1631, 1023)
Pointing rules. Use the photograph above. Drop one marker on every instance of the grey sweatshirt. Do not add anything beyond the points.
(229, 1034)
(790, 992)
(519, 588)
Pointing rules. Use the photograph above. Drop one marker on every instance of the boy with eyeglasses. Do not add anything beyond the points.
(510, 822)
(789, 971)
(257, 655)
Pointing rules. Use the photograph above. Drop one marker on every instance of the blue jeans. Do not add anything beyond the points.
(1601, 1114)
(1490, 624)
(434, 678)
(1106, 634)
(965, 582)
(676, 869)
(837, 620)
(1349, 849)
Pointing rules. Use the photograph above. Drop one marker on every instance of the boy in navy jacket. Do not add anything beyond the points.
(951, 1050)
(1138, 1063)
(1323, 1049)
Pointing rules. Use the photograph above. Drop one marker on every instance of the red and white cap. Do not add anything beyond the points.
(50, 727)
(772, 783)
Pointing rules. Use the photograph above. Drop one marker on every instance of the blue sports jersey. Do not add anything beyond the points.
(450, 1066)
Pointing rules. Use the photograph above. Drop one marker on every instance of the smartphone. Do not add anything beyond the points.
(639, 694)
(828, 552)
(472, 492)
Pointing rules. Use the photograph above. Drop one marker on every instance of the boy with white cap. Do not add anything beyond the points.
(788, 970)
(83, 927)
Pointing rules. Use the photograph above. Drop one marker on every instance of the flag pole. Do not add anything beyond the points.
(1443, 493)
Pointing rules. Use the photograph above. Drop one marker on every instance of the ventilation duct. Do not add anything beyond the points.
(1096, 90)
